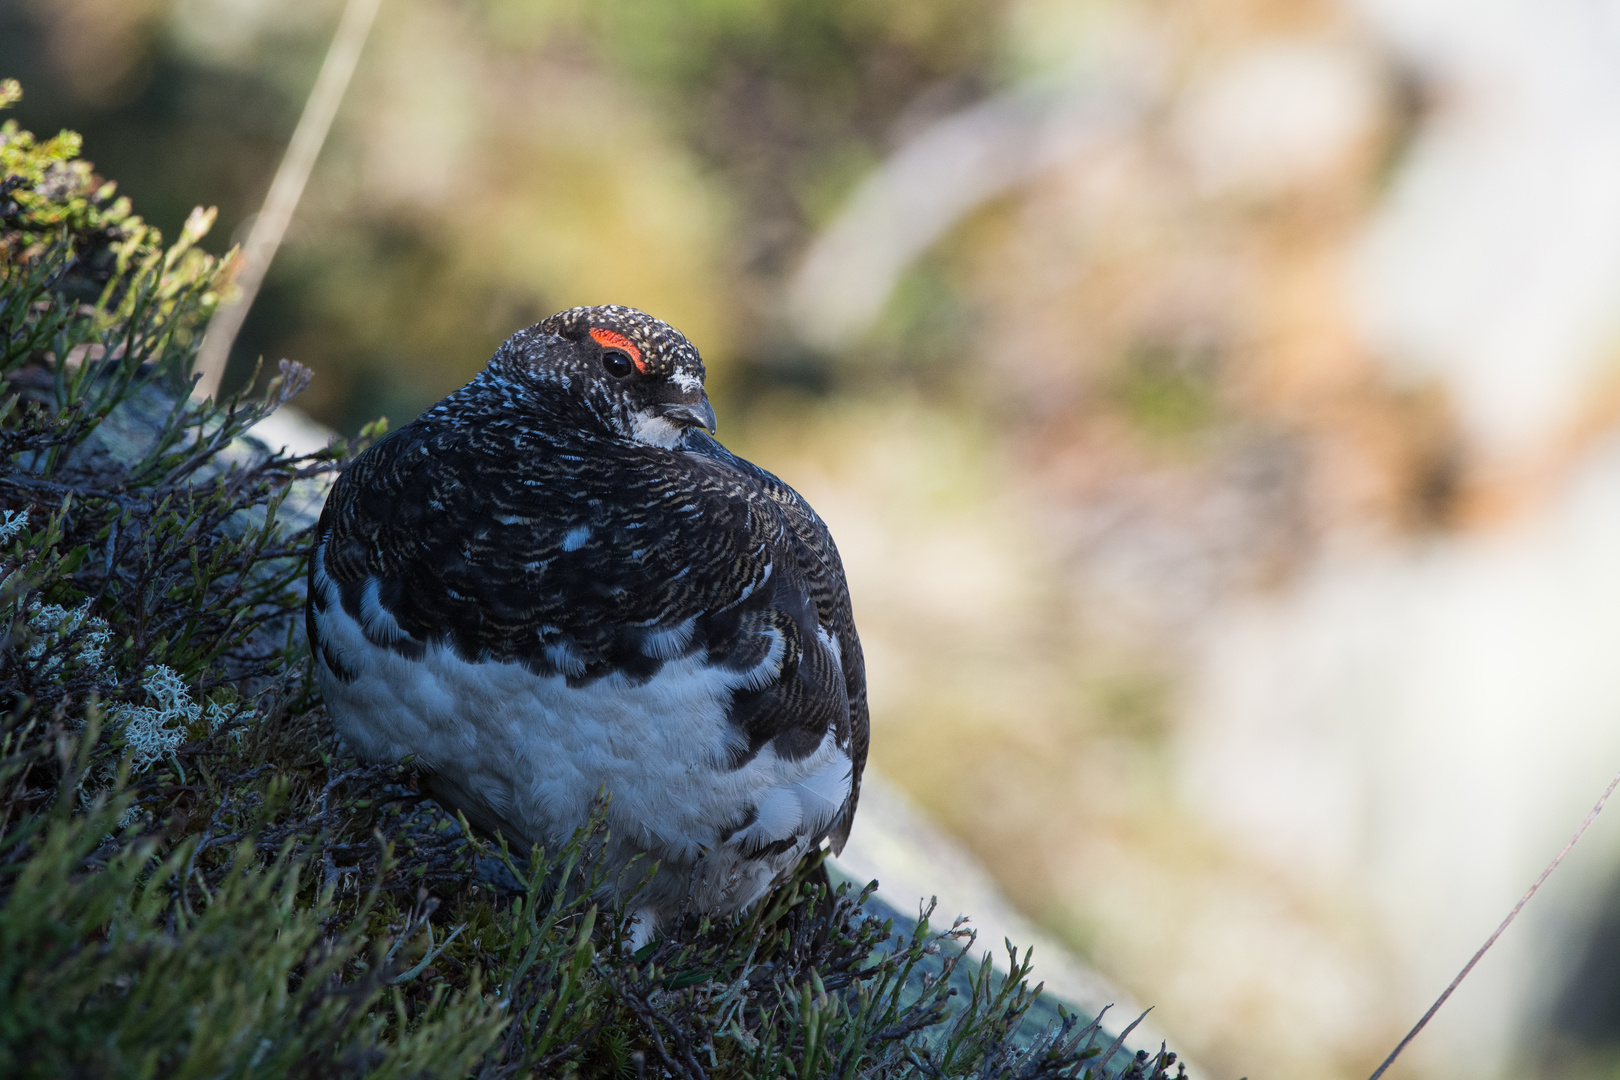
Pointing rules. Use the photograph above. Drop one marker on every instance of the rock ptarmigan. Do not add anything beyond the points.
(556, 579)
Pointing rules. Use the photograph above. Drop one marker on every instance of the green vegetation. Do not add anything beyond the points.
(1167, 392)
(196, 881)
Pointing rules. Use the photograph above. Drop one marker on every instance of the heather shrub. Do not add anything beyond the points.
(196, 880)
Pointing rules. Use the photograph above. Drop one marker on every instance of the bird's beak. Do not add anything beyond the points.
(697, 413)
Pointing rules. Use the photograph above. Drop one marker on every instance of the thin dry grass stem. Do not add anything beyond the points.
(1514, 914)
(285, 191)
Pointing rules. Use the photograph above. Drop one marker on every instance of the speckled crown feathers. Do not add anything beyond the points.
(663, 348)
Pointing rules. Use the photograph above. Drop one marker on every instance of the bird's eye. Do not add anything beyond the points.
(616, 362)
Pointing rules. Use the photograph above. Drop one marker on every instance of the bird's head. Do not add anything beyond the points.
(628, 370)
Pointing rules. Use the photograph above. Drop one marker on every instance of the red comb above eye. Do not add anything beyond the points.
(610, 340)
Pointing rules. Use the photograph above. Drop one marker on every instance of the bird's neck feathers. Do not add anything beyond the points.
(547, 399)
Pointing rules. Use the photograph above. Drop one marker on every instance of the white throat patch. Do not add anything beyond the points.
(648, 427)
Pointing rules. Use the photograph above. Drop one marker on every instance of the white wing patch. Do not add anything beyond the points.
(829, 641)
(767, 670)
(753, 586)
(807, 806)
(670, 643)
(563, 657)
(379, 624)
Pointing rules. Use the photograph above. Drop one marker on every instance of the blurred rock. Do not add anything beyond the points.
(1279, 114)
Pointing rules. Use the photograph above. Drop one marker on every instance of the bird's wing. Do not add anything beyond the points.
(585, 561)
(824, 586)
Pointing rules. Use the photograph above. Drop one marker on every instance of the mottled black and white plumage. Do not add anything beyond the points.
(555, 579)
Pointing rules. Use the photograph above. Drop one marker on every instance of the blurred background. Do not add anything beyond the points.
(1217, 403)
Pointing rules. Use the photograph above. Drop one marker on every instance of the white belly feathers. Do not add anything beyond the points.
(535, 752)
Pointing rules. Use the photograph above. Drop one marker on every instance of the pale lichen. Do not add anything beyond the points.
(12, 522)
(51, 623)
(153, 732)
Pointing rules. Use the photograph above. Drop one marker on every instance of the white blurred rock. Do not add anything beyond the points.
(1494, 262)
(292, 431)
(1423, 730)
(1278, 116)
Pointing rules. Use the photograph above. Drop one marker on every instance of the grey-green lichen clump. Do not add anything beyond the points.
(194, 878)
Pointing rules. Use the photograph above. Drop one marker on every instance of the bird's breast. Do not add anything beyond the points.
(530, 750)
